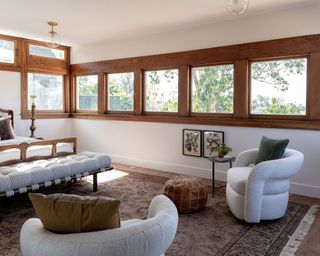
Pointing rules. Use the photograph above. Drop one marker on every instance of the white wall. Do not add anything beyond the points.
(159, 146)
(284, 23)
(10, 99)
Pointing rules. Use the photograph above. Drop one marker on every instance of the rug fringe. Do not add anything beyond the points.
(297, 237)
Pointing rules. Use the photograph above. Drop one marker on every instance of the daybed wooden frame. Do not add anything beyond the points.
(23, 147)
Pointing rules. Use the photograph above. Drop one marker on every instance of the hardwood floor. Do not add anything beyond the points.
(310, 245)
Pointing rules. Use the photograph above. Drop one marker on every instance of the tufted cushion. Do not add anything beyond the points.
(188, 193)
(238, 176)
(32, 173)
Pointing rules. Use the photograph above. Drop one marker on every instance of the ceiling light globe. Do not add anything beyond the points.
(53, 40)
(236, 7)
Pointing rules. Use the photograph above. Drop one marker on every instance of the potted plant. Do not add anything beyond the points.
(222, 150)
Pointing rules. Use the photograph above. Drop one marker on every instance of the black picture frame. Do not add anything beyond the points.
(190, 147)
(208, 144)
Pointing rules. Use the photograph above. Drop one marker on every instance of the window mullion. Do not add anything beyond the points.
(241, 89)
(102, 93)
(184, 89)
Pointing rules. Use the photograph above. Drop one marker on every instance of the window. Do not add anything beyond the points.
(46, 52)
(48, 90)
(212, 89)
(161, 90)
(6, 51)
(120, 91)
(87, 92)
(279, 87)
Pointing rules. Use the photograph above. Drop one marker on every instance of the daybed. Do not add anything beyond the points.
(26, 164)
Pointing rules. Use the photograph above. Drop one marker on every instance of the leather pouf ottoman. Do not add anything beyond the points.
(188, 193)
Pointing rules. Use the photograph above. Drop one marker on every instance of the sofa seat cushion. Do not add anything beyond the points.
(237, 178)
(22, 175)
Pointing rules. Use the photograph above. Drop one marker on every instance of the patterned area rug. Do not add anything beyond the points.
(213, 231)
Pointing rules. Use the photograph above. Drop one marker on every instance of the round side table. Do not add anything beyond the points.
(216, 159)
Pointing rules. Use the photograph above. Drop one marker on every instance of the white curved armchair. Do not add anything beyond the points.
(152, 236)
(261, 192)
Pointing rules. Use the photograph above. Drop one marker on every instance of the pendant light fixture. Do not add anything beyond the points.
(236, 7)
(53, 39)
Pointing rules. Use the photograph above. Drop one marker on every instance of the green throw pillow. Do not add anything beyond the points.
(63, 214)
(271, 149)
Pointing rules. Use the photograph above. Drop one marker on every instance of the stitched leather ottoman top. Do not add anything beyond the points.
(188, 193)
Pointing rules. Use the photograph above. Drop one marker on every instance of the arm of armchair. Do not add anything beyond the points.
(246, 157)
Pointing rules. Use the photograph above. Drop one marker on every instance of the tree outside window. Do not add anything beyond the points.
(161, 89)
(212, 89)
(87, 92)
(279, 87)
(121, 92)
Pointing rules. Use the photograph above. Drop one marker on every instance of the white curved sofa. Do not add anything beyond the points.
(150, 237)
(261, 192)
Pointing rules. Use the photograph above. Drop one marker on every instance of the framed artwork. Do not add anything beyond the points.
(191, 142)
(210, 141)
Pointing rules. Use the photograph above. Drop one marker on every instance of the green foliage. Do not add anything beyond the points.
(222, 150)
(87, 87)
(121, 90)
(275, 106)
(273, 72)
(213, 89)
(156, 100)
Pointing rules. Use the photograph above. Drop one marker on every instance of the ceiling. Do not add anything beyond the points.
(83, 22)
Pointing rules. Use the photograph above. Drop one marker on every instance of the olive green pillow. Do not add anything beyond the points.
(271, 149)
(61, 213)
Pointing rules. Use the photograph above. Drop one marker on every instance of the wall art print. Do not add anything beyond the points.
(211, 139)
(191, 142)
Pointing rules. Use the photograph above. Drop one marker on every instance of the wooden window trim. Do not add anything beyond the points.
(206, 114)
(42, 65)
(15, 65)
(271, 116)
(107, 111)
(240, 56)
(262, 123)
(144, 88)
(37, 63)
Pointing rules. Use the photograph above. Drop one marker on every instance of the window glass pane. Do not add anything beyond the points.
(279, 87)
(87, 91)
(6, 51)
(48, 90)
(120, 91)
(162, 90)
(212, 89)
(46, 52)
